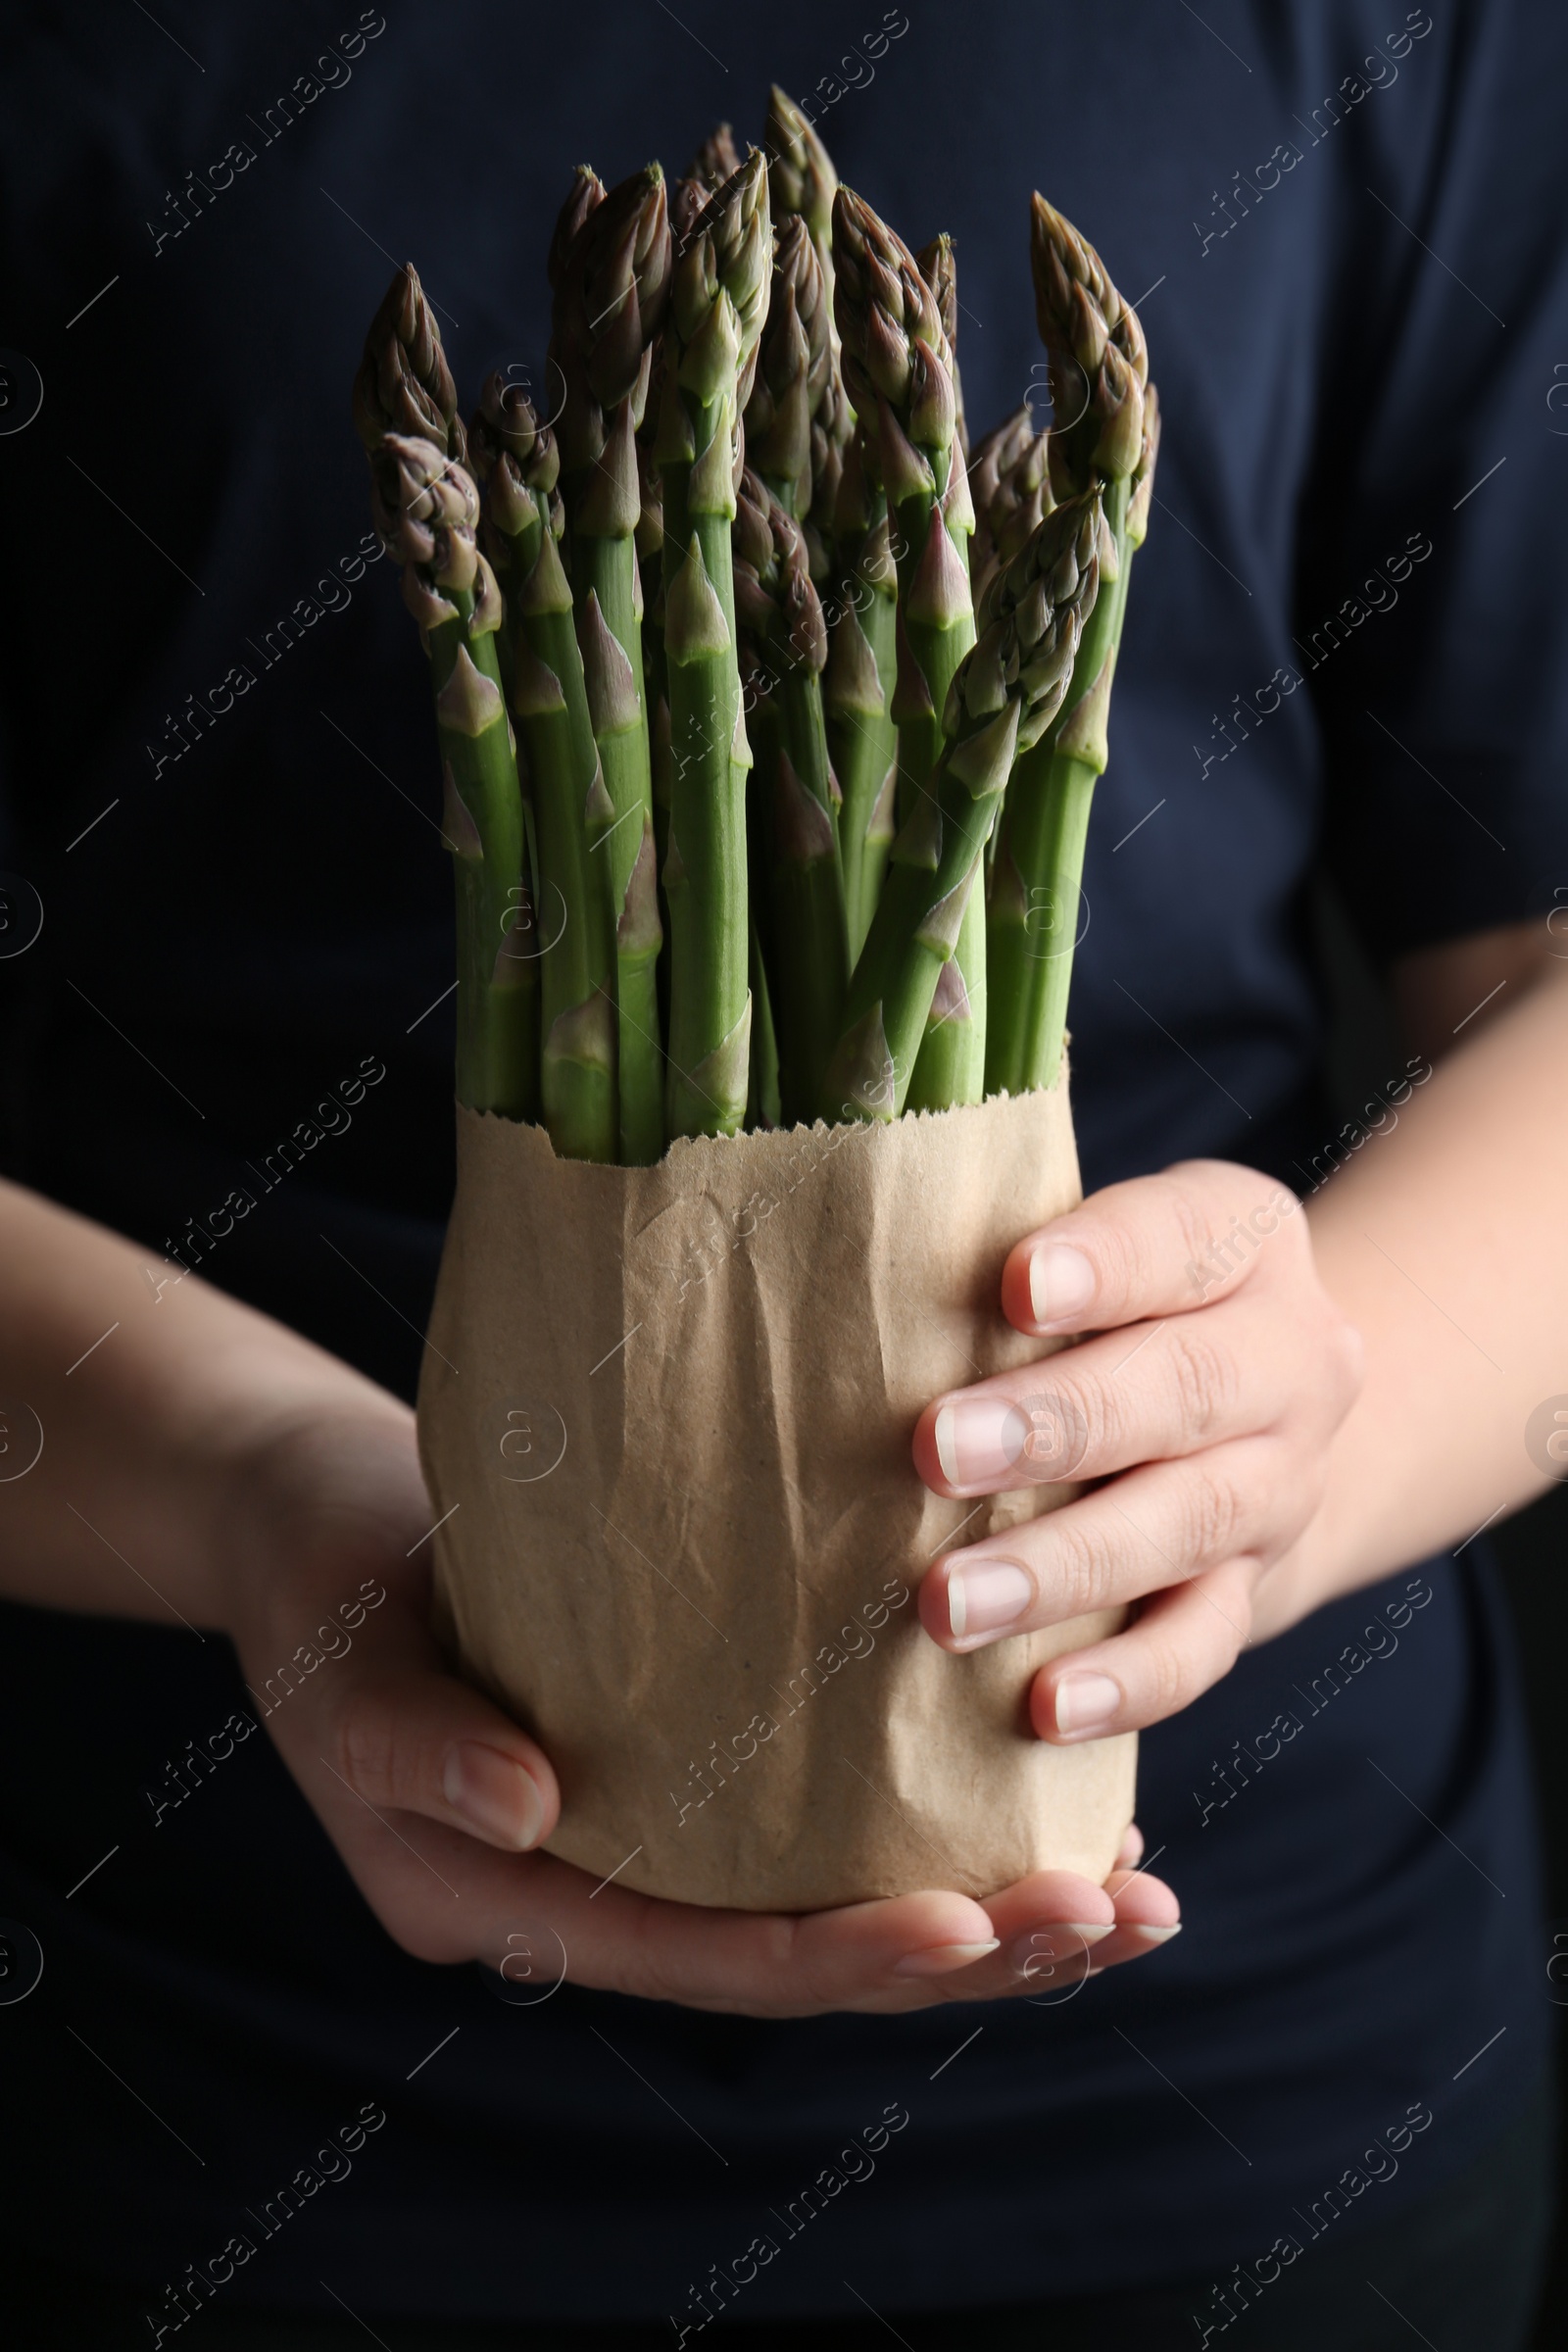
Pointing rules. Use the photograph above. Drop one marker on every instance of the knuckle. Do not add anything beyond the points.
(1106, 1412)
(1189, 1219)
(1215, 1515)
(368, 1753)
(1121, 1258)
(1083, 1565)
(1207, 1379)
(1167, 1680)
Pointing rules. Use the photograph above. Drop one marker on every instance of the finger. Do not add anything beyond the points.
(1056, 1929)
(403, 1737)
(1148, 1529)
(1147, 1916)
(1183, 1640)
(1154, 1245)
(1131, 1396)
(886, 1954)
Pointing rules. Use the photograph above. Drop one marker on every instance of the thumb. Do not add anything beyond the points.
(402, 1734)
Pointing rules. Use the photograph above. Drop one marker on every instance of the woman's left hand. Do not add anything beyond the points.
(1204, 1408)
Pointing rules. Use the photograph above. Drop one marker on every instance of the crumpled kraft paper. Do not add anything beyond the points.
(665, 1417)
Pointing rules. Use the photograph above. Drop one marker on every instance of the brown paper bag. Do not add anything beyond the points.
(665, 1418)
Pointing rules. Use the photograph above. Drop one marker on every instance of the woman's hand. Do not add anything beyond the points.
(438, 1801)
(1203, 1411)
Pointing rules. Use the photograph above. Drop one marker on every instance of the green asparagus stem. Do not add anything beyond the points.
(426, 509)
(616, 710)
(857, 688)
(572, 816)
(1098, 371)
(611, 286)
(763, 1107)
(717, 303)
(516, 463)
(897, 367)
(1006, 694)
(952, 1063)
(404, 384)
(650, 544)
(806, 938)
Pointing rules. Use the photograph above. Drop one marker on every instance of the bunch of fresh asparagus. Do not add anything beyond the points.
(767, 792)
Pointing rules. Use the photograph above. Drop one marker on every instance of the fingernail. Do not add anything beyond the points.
(984, 1598)
(980, 1437)
(494, 1794)
(1055, 1946)
(938, 1958)
(1085, 1702)
(1157, 1934)
(1061, 1282)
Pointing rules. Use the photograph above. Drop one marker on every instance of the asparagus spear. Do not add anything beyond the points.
(763, 1107)
(858, 687)
(1094, 350)
(939, 266)
(717, 159)
(794, 371)
(426, 507)
(802, 185)
(1005, 695)
(1010, 483)
(800, 176)
(1000, 451)
(899, 366)
(404, 384)
(572, 814)
(516, 463)
(1098, 370)
(569, 806)
(951, 1063)
(1018, 494)
(612, 284)
(718, 299)
(584, 196)
(805, 938)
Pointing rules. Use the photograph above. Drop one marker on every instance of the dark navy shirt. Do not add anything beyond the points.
(1342, 224)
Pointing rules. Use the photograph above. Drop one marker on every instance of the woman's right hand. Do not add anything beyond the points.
(438, 1802)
